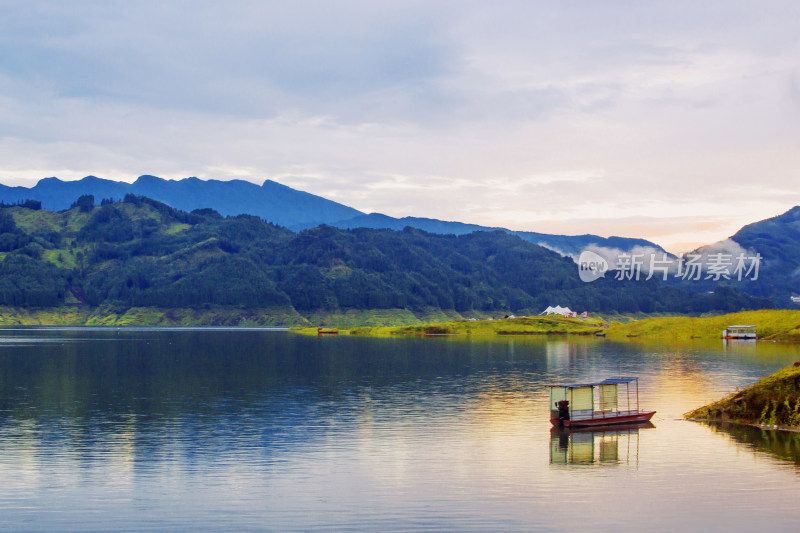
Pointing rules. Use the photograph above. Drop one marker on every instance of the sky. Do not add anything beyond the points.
(675, 121)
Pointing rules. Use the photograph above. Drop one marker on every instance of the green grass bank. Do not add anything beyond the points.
(147, 316)
(777, 325)
(551, 325)
(772, 401)
(773, 324)
(82, 315)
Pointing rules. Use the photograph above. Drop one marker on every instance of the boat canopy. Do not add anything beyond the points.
(608, 381)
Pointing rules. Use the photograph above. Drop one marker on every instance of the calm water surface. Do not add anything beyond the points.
(265, 430)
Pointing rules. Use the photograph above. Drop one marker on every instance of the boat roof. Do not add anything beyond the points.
(608, 381)
(742, 326)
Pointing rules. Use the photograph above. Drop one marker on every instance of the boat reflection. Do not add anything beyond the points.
(596, 446)
(740, 346)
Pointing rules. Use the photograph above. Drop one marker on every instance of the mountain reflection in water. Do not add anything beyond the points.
(784, 445)
(251, 430)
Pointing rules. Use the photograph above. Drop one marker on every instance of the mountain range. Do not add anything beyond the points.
(777, 239)
(271, 201)
(281, 205)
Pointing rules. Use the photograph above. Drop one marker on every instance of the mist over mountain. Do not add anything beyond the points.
(281, 205)
(762, 259)
(567, 245)
(777, 239)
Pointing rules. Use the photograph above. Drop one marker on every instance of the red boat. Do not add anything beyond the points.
(604, 403)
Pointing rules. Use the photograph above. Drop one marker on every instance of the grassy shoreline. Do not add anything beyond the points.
(773, 402)
(81, 315)
(773, 324)
(146, 316)
(550, 325)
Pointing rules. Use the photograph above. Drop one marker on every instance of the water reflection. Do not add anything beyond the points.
(784, 445)
(250, 430)
(609, 446)
(740, 346)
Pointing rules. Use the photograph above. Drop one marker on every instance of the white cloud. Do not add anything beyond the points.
(726, 247)
(515, 114)
(646, 257)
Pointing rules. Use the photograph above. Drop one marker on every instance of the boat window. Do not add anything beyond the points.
(556, 395)
(608, 397)
(582, 398)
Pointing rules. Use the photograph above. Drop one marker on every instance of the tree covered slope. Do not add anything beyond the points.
(140, 252)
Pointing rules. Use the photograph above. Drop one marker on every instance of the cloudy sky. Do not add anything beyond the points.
(674, 121)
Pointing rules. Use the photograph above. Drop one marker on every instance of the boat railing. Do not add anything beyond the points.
(589, 414)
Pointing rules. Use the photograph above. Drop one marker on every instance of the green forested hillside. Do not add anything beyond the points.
(142, 253)
(777, 239)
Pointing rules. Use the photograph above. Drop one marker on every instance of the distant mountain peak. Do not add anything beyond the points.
(275, 185)
(275, 203)
(148, 178)
(793, 213)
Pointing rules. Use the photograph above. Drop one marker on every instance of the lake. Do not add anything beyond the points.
(253, 430)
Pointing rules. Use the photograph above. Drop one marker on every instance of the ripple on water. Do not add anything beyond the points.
(254, 430)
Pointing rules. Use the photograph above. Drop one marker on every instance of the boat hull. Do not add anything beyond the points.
(604, 421)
